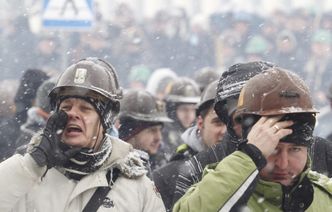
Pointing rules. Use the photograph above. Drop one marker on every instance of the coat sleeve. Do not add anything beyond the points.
(223, 188)
(191, 170)
(152, 197)
(321, 156)
(18, 175)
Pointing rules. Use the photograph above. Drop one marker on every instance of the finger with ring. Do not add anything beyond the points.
(276, 127)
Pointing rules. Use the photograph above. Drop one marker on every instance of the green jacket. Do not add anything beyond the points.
(233, 183)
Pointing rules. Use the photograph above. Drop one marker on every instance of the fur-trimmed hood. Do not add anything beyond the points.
(125, 159)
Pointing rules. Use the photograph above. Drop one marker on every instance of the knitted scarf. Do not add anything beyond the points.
(87, 161)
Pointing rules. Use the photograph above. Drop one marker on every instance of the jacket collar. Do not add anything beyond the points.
(192, 138)
(273, 192)
(122, 157)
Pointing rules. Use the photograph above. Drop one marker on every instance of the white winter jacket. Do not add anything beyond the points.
(24, 189)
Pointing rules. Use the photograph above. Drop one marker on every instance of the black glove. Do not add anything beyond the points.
(51, 151)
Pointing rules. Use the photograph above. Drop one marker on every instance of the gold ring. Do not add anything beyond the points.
(276, 127)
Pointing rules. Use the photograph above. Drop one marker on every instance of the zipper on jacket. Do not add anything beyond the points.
(286, 199)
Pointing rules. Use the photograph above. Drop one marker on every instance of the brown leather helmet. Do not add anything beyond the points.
(278, 92)
(90, 78)
(141, 106)
(90, 75)
(183, 90)
(275, 92)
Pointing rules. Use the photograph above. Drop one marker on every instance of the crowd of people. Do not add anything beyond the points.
(171, 116)
(299, 39)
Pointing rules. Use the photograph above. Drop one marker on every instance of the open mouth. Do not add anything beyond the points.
(73, 129)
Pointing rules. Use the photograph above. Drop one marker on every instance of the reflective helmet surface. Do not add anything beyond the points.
(183, 90)
(207, 97)
(88, 76)
(275, 92)
(141, 106)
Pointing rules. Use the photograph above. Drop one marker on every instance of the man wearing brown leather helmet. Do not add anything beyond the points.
(271, 170)
(141, 121)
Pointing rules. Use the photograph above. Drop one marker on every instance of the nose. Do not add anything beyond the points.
(158, 135)
(282, 160)
(72, 113)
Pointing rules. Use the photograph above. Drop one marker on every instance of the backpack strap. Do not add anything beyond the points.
(101, 192)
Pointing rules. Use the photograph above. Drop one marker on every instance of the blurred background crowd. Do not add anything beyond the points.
(171, 39)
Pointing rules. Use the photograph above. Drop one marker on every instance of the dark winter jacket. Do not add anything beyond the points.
(165, 177)
(321, 156)
(190, 171)
(186, 168)
(33, 124)
(171, 138)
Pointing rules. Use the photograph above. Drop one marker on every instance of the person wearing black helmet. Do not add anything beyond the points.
(74, 165)
(270, 171)
(180, 104)
(141, 120)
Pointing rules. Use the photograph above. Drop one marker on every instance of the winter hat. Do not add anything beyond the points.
(101, 106)
(42, 99)
(303, 127)
(231, 83)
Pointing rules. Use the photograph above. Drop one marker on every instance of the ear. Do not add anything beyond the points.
(199, 122)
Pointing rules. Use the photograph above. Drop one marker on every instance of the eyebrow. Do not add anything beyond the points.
(216, 119)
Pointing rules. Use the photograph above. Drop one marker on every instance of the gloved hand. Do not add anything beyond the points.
(51, 151)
